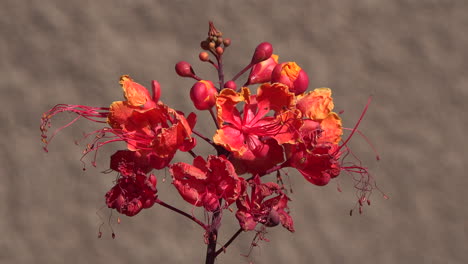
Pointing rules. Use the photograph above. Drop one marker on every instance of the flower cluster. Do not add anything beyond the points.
(264, 126)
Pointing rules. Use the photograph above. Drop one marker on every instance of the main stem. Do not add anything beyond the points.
(212, 238)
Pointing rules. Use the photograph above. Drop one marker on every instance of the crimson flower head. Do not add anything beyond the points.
(316, 154)
(254, 137)
(150, 128)
(132, 193)
(206, 182)
(256, 208)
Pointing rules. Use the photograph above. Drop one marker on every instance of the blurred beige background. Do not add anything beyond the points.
(410, 55)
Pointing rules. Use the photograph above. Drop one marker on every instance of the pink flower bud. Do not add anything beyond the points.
(231, 85)
(203, 95)
(184, 69)
(261, 72)
(291, 75)
(263, 51)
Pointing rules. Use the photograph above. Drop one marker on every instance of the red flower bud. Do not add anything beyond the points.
(291, 75)
(231, 85)
(219, 51)
(184, 69)
(262, 52)
(156, 90)
(227, 42)
(203, 95)
(261, 72)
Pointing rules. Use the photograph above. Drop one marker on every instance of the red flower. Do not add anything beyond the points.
(249, 137)
(255, 209)
(205, 182)
(149, 127)
(316, 153)
(131, 194)
(128, 163)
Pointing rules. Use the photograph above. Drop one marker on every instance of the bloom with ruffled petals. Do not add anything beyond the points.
(205, 182)
(247, 136)
(316, 153)
(131, 194)
(255, 209)
(150, 128)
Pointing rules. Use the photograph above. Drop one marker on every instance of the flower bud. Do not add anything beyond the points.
(184, 69)
(291, 75)
(204, 56)
(203, 95)
(219, 51)
(261, 72)
(262, 52)
(205, 44)
(231, 85)
(211, 45)
(219, 41)
(156, 90)
(273, 218)
(227, 42)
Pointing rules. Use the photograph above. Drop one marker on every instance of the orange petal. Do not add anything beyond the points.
(226, 104)
(135, 93)
(119, 113)
(332, 129)
(276, 95)
(316, 104)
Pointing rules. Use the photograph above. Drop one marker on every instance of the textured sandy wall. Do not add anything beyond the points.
(411, 55)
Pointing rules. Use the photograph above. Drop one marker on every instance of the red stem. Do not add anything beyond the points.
(191, 217)
(242, 71)
(212, 238)
(220, 71)
(223, 248)
(214, 117)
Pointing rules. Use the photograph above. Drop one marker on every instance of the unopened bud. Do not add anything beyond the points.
(219, 51)
(219, 41)
(261, 72)
(156, 91)
(204, 56)
(212, 45)
(205, 44)
(184, 69)
(262, 52)
(273, 218)
(291, 75)
(231, 85)
(203, 95)
(212, 31)
(227, 42)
